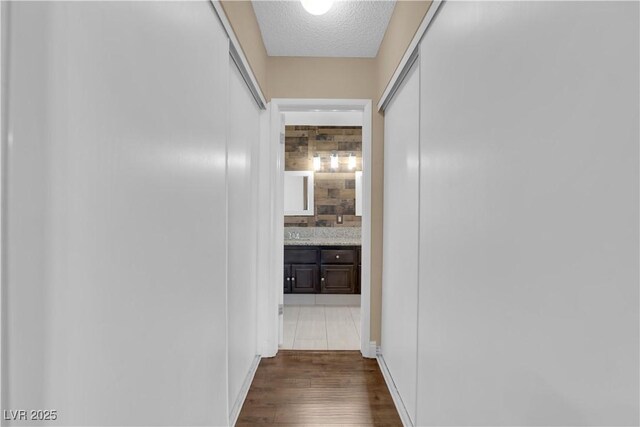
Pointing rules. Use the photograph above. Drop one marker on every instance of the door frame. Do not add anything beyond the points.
(271, 305)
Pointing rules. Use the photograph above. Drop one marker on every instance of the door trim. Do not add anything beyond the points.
(408, 58)
(238, 56)
(277, 107)
(395, 395)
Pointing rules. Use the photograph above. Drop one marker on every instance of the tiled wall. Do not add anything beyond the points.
(335, 192)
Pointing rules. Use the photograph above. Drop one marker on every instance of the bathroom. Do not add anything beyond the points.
(322, 237)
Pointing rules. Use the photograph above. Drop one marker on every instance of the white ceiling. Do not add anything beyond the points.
(351, 28)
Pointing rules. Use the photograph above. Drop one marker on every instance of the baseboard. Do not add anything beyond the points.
(322, 299)
(299, 299)
(397, 400)
(337, 299)
(237, 406)
(373, 350)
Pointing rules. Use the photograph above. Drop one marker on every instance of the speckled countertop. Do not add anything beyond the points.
(322, 236)
(322, 242)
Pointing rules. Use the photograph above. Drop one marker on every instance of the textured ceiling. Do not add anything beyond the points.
(349, 29)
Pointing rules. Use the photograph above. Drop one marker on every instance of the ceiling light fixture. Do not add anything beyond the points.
(317, 7)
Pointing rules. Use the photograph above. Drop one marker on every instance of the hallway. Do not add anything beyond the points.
(336, 388)
(319, 213)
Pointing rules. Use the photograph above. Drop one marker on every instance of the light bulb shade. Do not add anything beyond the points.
(316, 163)
(334, 161)
(352, 161)
(317, 7)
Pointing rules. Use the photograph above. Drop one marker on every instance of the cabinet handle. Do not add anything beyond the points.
(322, 279)
(337, 256)
(288, 279)
(293, 278)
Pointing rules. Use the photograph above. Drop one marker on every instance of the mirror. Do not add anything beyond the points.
(358, 193)
(298, 193)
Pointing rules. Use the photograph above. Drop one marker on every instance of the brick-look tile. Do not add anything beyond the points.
(334, 190)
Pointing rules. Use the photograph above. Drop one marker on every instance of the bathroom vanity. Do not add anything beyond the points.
(325, 269)
(322, 186)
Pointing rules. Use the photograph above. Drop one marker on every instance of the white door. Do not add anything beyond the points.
(400, 236)
(243, 137)
(529, 231)
(116, 222)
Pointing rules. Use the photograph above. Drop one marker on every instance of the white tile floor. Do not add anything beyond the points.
(321, 327)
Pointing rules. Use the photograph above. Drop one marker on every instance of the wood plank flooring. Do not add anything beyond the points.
(319, 388)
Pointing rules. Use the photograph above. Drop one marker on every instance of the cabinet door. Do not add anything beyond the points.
(287, 278)
(359, 270)
(304, 278)
(337, 279)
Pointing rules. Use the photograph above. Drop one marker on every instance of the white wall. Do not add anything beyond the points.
(242, 174)
(114, 286)
(400, 236)
(323, 118)
(529, 215)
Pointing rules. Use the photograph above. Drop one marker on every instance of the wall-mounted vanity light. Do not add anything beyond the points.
(352, 161)
(334, 161)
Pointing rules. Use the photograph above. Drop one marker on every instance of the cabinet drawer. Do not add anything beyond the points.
(338, 256)
(300, 256)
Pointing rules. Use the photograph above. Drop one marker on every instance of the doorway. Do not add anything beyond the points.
(345, 268)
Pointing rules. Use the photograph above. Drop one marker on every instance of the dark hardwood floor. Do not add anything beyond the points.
(319, 388)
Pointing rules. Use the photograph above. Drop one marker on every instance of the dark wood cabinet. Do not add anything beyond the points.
(304, 278)
(338, 256)
(337, 279)
(322, 269)
(287, 278)
(359, 270)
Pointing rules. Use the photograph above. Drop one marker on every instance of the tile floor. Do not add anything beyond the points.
(321, 327)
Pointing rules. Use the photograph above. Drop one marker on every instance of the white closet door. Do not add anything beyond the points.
(242, 173)
(400, 234)
(529, 231)
(116, 216)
